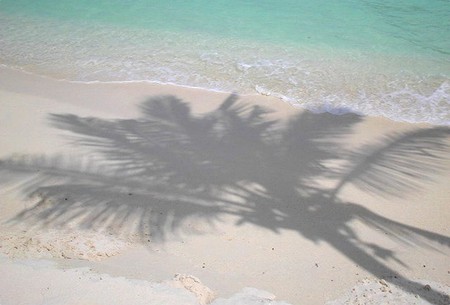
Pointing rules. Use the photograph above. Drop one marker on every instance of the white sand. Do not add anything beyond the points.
(303, 249)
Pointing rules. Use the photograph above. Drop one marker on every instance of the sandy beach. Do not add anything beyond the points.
(140, 193)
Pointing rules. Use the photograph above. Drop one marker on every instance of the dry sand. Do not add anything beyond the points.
(104, 201)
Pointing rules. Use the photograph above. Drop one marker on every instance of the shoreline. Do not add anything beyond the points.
(143, 82)
(337, 242)
(260, 93)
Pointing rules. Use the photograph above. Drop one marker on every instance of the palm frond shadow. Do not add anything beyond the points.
(168, 169)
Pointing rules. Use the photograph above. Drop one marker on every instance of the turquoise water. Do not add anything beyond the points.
(389, 58)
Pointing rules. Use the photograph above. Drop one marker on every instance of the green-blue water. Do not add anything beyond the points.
(389, 58)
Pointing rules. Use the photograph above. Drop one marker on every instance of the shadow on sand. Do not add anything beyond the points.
(148, 176)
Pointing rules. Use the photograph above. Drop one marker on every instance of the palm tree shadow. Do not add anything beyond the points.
(159, 173)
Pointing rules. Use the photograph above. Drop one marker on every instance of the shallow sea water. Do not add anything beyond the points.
(384, 58)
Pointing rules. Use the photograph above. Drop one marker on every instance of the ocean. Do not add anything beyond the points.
(386, 58)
